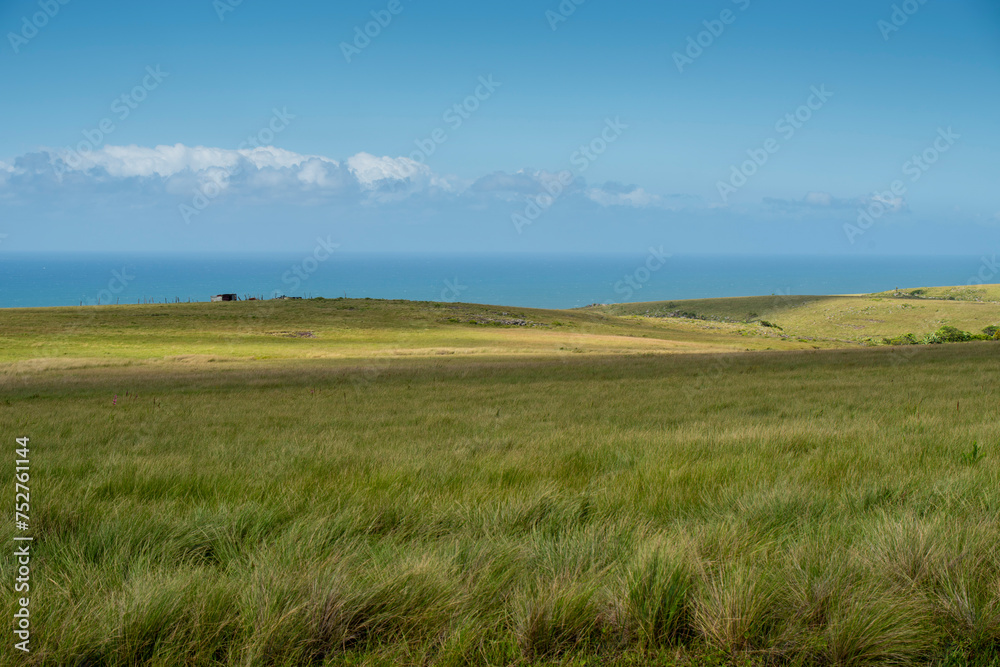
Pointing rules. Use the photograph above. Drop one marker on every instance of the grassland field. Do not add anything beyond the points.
(746, 481)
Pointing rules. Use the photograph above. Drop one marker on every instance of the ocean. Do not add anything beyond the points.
(543, 281)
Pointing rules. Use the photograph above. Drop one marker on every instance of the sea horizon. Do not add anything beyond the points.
(539, 280)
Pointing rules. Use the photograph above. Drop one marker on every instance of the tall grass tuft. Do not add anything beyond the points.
(735, 608)
(869, 625)
(568, 615)
(405, 606)
(906, 550)
(186, 616)
(968, 600)
(658, 600)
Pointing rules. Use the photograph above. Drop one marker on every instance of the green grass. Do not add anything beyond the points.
(981, 293)
(842, 319)
(514, 503)
(336, 328)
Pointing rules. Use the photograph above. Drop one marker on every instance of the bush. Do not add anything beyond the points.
(992, 333)
(907, 339)
(949, 334)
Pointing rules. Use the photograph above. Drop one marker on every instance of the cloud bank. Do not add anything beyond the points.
(199, 174)
(263, 198)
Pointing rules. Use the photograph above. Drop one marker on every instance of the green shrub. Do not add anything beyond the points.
(950, 334)
(907, 339)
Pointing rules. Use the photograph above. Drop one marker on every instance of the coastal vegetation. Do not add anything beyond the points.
(357, 482)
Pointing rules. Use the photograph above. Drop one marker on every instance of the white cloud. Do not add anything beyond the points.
(819, 199)
(525, 184)
(892, 204)
(216, 175)
(259, 175)
(637, 198)
(269, 171)
(167, 161)
(374, 172)
(616, 194)
(387, 178)
(316, 171)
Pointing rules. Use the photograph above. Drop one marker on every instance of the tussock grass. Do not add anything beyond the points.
(571, 614)
(870, 626)
(804, 508)
(659, 599)
(736, 607)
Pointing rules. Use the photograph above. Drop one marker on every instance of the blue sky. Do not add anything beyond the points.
(364, 142)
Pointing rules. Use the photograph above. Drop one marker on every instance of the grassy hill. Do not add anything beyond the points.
(354, 482)
(848, 319)
(345, 329)
(980, 293)
(362, 328)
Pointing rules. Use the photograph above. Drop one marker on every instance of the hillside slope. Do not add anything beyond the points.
(846, 318)
(347, 329)
(367, 328)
